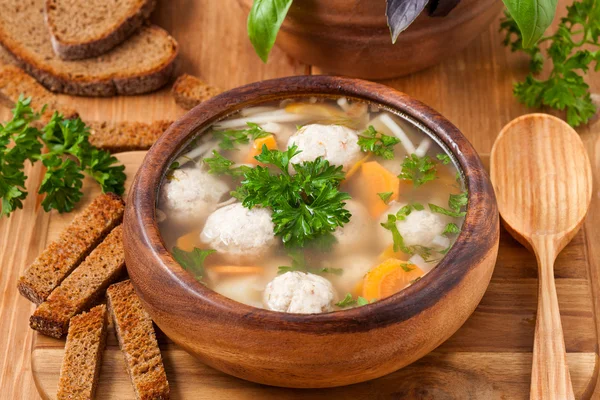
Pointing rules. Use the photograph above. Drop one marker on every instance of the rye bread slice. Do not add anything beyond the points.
(126, 136)
(83, 29)
(15, 82)
(83, 355)
(6, 58)
(79, 290)
(141, 64)
(78, 239)
(137, 340)
(189, 91)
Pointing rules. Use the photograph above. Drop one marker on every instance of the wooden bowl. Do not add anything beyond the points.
(351, 37)
(321, 350)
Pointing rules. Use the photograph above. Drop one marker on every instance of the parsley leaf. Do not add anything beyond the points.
(377, 143)
(407, 267)
(61, 184)
(219, 165)
(230, 139)
(349, 301)
(417, 169)
(305, 205)
(456, 202)
(192, 261)
(451, 228)
(385, 196)
(444, 158)
(564, 88)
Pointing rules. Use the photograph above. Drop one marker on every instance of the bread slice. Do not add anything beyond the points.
(15, 82)
(6, 58)
(126, 136)
(80, 289)
(63, 255)
(137, 340)
(190, 91)
(83, 29)
(141, 64)
(83, 355)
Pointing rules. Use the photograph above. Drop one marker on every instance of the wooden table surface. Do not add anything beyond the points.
(473, 89)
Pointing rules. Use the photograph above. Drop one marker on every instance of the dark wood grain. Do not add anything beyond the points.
(351, 37)
(269, 347)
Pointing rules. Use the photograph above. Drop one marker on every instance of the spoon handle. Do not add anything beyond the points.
(550, 378)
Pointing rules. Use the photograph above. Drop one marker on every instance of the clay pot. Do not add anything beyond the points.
(351, 37)
(318, 350)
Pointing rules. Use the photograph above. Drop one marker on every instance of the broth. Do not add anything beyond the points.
(311, 238)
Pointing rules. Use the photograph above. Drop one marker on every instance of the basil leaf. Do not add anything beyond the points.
(533, 17)
(264, 21)
(401, 13)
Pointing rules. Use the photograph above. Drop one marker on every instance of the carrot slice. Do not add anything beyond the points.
(216, 272)
(256, 148)
(388, 278)
(188, 241)
(373, 179)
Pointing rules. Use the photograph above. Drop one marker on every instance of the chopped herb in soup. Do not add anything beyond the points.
(311, 206)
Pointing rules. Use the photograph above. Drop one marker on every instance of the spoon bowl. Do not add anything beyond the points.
(543, 182)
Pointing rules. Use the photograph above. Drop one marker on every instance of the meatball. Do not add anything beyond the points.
(356, 234)
(190, 194)
(239, 234)
(299, 292)
(335, 143)
(419, 228)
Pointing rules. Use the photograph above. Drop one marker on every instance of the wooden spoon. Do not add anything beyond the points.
(543, 182)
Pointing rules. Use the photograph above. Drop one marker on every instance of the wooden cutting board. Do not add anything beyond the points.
(488, 358)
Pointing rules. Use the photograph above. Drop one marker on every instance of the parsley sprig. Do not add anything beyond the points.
(377, 143)
(69, 155)
(417, 169)
(230, 139)
(192, 261)
(456, 202)
(350, 301)
(399, 244)
(306, 205)
(219, 165)
(564, 88)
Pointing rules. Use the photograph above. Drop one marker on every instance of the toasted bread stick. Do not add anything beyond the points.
(77, 240)
(80, 289)
(83, 355)
(137, 340)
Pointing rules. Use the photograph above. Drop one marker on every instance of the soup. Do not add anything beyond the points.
(311, 205)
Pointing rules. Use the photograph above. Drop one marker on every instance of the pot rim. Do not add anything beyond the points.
(464, 256)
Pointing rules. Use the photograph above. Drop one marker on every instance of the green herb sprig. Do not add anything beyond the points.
(565, 87)
(192, 261)
(219, 165)
(306, 205)
(456, 202)
(397, 238)
(350, 301)
(69, 155)
(419, 170)
(377, 143)
(230, 139)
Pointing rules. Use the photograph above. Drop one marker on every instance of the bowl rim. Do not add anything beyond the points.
(464, 255)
